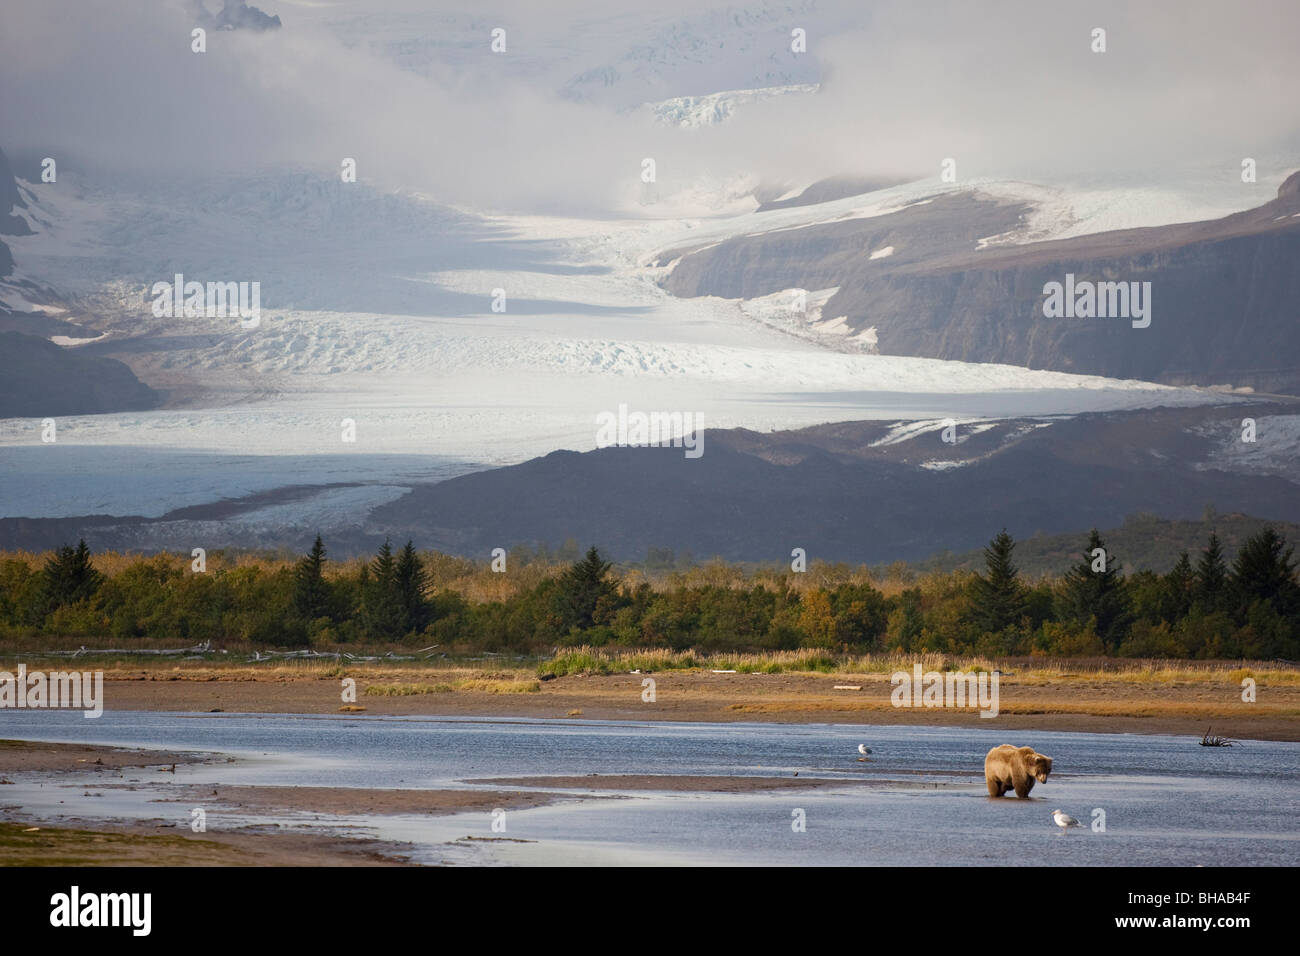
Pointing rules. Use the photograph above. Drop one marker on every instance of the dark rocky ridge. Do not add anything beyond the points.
(39, 379)
(10, 224)
(754, 496)
(10, 199)
(1225, 293)
(837, 253)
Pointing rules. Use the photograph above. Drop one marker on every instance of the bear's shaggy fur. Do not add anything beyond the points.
(1015, 768)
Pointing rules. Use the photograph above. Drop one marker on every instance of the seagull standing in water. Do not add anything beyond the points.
(1064, 820)
(864, 750)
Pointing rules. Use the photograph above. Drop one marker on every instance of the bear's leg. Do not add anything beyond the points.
(1022, 781)
(995, 786)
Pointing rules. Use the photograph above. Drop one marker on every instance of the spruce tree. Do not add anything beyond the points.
(1264, 571)
(1100, 594)
(381, 600)
(361, 609)
(311, 595)
(1179, 587)
(582, 588)
(69, 577)
(1211, 575)
(410, 583)
(999, 597)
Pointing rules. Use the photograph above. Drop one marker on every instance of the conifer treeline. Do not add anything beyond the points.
(1203, 608)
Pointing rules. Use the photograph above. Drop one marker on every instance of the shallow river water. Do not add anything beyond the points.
(1163, 800)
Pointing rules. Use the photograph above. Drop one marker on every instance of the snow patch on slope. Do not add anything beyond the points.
(714, 109)
(906, 431)
(1275, 450)
(798, 312)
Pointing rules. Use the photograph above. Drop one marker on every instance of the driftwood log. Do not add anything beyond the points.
(1211, 740)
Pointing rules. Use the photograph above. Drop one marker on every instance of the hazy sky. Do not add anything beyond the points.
(413, 92)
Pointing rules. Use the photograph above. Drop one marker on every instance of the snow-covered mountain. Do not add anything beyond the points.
(379, 308)
(455, 334)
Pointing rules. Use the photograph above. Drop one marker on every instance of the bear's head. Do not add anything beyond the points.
(1038, 765)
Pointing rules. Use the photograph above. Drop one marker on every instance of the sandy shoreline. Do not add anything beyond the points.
(682, 783)
(358, 800)
(142, 844)
(1081, 704)
(40, 757)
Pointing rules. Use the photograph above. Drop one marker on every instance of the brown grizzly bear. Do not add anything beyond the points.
(1007, 767)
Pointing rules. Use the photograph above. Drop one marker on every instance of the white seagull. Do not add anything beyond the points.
(1064, 820)
(864, 749)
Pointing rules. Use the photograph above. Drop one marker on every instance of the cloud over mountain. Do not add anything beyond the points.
(1007, 88)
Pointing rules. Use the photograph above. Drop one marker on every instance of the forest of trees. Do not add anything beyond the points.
(1207, 606)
